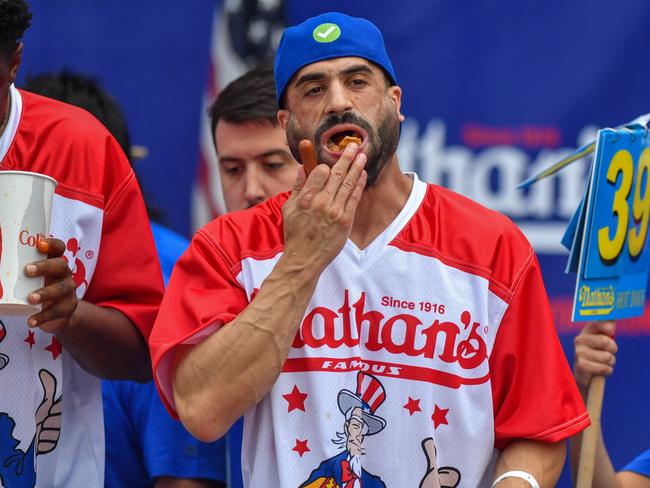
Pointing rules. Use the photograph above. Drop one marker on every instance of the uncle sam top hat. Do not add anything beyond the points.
(370, 394)
(326, 36)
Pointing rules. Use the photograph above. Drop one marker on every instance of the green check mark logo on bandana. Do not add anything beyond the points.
(327, 32)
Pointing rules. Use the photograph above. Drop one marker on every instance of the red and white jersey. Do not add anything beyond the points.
(99, 213)
(440, 329)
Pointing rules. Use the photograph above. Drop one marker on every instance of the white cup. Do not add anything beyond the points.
(25, 210)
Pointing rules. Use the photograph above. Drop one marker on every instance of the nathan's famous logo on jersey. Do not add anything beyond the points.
(457, 342)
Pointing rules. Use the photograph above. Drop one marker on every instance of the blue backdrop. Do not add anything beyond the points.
(492, 91)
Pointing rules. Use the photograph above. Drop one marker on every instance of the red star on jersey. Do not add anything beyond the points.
(296, 399)
(54, 348)
(31, 338)
(413, 406)
(439, 416)
(301, 447)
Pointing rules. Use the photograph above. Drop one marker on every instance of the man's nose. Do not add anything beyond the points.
(254, 190)
(338, 98)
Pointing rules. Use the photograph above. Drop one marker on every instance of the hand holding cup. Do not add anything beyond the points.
(58, 296)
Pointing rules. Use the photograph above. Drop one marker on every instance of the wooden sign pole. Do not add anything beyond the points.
(591, 435)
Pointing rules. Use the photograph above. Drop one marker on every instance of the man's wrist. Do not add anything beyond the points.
(515, 479)
(293, 267)
(511, 483)
(73, 322)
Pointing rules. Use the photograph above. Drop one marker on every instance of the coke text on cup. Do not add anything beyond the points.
(27, 239)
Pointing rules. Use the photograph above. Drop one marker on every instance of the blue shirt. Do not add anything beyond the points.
(234, 442)
(170, 246)
(640, 465)
(142, 441)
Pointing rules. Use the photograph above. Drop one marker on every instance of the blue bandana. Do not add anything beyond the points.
(327, 36)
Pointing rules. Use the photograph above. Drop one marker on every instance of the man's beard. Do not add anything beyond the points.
(382, 143)
(355, 465)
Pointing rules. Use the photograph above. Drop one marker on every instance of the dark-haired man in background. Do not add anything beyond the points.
(255, 162)
(102, 288)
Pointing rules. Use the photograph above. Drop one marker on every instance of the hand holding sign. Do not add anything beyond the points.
(595, 352)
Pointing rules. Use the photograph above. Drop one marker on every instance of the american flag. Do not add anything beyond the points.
(244, 33)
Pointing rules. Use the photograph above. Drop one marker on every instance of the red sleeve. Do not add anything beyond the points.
(534, 393)
(203, 294)
(70, 145)
(127, 276)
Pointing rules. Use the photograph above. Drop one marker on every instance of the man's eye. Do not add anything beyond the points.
(232, 170)
(273, 165)
(314, 90)
(358, 82)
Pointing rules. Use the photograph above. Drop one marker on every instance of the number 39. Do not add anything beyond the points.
(610, 249)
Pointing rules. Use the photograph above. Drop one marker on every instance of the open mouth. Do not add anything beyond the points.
(338, 138)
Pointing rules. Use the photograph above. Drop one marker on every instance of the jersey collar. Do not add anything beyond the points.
(11, 128)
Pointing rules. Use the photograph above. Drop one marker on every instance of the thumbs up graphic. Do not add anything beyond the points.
(48, 415)
(430, 479)
(445, 477)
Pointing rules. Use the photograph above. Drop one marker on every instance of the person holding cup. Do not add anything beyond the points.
(145, 447)
(101, 289)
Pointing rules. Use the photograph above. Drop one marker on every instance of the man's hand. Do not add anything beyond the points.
(58, 295)
(595, 352)
(319, 214)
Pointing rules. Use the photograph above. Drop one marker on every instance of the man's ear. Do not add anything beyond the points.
(283, 118)
(14, 62)
(395, 94)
